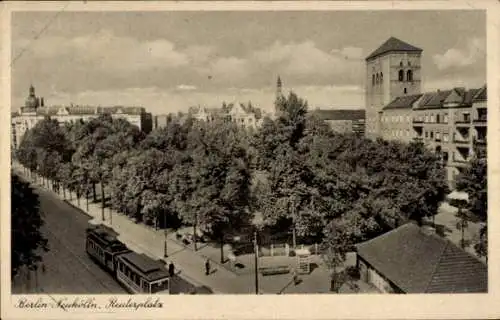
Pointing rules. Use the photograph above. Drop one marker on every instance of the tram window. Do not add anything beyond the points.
(159, 286)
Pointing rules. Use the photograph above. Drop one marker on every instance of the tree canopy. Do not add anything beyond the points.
(301, 176)
(27, 241)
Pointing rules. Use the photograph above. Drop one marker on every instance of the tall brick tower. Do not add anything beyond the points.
(392, 70)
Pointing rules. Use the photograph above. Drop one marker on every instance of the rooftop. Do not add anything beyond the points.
(340, 114)
(403, 102)
(83, 110)
(418, 262)
(393, 45)
(151, 269)
(439, 99)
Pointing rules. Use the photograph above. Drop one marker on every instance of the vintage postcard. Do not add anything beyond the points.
(236, 160)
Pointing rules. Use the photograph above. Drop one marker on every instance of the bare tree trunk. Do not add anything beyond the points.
(87, 197)
(102, 199)
(78, 195)
(64, 192)
(222, 248)
(194, 231)
(94, 192)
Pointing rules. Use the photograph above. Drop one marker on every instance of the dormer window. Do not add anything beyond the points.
(401, 75)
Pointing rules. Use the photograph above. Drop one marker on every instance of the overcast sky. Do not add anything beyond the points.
(168, 61)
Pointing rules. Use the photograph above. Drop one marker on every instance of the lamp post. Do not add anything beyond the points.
(165, 234)
(256, 249)
(257, 222)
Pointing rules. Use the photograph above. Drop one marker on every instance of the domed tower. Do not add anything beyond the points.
(393, 70)
(32, 101)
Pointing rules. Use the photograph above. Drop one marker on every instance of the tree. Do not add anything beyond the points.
(27, 241)
(474, 181)
(481, 245)
(220, 176)
(335, 246)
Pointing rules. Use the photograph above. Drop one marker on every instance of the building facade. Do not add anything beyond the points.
(34, 111)
(393, 70)
(343, 120)
(450, 122)
(246, 116)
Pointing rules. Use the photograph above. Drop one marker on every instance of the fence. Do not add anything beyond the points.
(284, 249)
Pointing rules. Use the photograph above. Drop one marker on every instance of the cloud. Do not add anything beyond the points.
(461, 57)
(106, 51)
(227, 70)
(186, 87)
(305, 58)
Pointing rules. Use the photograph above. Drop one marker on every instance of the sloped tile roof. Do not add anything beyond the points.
(417, 262)
(403, 102)
(436, 99)
(393, 44)
(481, 94)
(340, 114)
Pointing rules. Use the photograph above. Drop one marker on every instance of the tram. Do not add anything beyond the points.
(136, 272)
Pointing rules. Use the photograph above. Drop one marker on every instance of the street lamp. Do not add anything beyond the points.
(165, 234)
(257, 222)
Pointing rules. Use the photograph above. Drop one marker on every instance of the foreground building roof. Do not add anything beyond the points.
(418, 262)
(340, 114)
(393, 45)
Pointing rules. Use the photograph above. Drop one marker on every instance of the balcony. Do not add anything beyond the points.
(462, 122)
(481, 121)
(481, 141)
(417, 122)
(461, 141)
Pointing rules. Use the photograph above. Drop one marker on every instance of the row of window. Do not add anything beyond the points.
(396, 119)
(93, 248)
(377, 78)
(129, 273)
(436, 136)
(443, 118)
(409, 75)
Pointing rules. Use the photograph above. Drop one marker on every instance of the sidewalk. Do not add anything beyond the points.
(222, 280)
(149, 241)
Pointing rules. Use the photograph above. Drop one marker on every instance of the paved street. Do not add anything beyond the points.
(67, 268)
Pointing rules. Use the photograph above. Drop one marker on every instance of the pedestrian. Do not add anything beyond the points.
(296, 279)
(207, 267)
(171, 269)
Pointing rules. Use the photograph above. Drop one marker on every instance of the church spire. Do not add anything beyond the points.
(279, 87)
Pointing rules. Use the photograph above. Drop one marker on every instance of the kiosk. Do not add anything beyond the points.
(303, 261)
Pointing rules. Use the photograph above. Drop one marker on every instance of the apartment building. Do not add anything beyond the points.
(343, 120)
(34, 111)
(451, 122)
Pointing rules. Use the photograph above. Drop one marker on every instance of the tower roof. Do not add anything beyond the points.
(393, 44)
